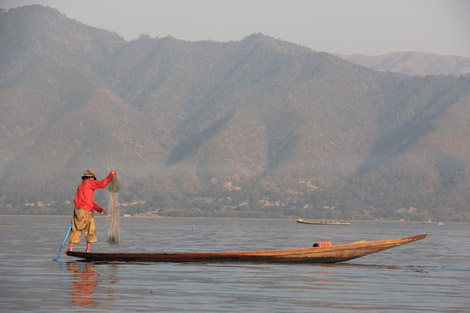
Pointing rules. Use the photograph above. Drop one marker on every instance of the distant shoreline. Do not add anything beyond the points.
(238, 218)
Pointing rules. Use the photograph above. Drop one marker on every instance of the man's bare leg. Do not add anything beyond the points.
(88, 246)
(70, 246)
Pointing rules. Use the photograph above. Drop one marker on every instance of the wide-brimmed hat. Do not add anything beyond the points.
(88, 173)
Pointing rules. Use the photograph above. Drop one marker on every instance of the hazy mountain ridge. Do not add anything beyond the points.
(247, 128)
(413, 63)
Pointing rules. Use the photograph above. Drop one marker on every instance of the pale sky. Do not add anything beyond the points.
(371, 27)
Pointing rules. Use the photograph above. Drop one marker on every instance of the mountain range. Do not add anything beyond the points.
(413, 63)
(252, 128)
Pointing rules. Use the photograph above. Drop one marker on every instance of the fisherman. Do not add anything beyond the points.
(83, 218)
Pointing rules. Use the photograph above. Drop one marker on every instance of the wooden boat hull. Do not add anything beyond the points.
(331, 254)
(322, 223)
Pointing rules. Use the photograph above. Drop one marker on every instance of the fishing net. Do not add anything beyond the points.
(113, 225)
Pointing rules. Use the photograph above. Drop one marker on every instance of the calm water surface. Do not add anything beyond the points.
(431, 275)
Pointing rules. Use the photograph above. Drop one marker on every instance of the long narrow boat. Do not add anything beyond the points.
(322, 222)
(330, 254)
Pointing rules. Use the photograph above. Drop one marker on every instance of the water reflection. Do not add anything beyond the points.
(93, 284)
(83, 283)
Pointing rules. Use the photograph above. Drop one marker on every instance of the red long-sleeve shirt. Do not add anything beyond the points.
(86, 192)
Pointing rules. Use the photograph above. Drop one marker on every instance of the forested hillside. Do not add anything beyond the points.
(254, 128)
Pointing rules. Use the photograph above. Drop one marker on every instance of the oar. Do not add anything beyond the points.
(63, 242)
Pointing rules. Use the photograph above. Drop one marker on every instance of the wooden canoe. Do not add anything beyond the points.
(322, 222)
(330, 254)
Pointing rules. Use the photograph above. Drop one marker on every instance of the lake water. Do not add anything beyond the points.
(431, 275)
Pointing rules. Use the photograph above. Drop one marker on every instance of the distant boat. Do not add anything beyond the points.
(327, 254)
(431, 222)
(322, 222)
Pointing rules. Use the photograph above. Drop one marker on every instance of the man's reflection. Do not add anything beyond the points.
(83, 283)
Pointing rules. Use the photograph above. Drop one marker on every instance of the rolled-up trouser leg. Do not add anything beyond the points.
(83, 220)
